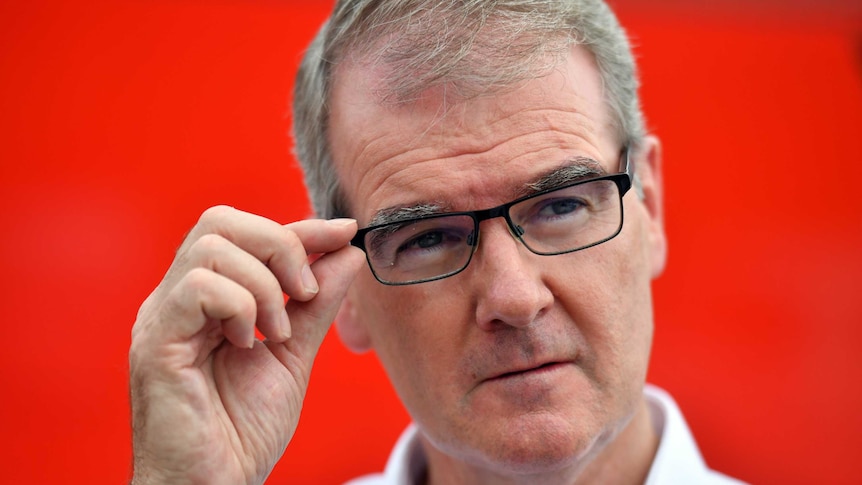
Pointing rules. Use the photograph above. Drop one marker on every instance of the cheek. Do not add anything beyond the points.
(416, 342)
(634, 319)
(608, 296)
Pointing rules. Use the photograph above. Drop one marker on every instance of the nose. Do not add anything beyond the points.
(508, 284)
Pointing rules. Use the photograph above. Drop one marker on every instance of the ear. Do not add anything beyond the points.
(350, 329)
(648, 169)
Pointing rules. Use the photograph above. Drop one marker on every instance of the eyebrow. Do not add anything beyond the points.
(572, 170)
(403, 213)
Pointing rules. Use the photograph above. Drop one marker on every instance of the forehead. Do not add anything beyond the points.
(464, 153)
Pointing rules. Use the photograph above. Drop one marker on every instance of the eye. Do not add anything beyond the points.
(560, 207)
(423, 241)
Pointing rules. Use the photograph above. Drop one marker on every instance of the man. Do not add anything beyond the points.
(487, 148)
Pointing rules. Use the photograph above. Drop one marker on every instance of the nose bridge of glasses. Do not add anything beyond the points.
(500, 211)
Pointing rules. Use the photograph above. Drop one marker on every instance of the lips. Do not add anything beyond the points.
(538, 369)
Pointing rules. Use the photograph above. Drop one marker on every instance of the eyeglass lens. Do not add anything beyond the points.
(556, 222)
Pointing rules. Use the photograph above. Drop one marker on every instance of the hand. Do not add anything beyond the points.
(210, 404)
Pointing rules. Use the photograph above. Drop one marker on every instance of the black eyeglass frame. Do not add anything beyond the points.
(622, 179)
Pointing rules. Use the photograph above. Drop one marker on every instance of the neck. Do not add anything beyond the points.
(625, 460)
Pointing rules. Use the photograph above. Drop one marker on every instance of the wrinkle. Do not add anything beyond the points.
(463, 157)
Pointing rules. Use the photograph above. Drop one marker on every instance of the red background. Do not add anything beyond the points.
(121, 121)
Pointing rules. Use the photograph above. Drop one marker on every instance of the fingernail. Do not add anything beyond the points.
(285, 325)
(308, 280)
(341, 222)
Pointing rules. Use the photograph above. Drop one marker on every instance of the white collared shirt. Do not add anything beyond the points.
(677, 460)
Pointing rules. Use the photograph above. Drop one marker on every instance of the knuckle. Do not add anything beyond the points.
(208, 245)
(214, 217)
(211, 240)
(290, 240)
(196, 281)
(214, 214)
(289, 255)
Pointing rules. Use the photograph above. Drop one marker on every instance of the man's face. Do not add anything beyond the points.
(521, 361)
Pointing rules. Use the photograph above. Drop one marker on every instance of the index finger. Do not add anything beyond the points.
(317, 240)
(283, 249)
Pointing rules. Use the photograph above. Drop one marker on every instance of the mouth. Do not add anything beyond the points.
(537, 370)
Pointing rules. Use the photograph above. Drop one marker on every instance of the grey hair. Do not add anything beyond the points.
(469, 47)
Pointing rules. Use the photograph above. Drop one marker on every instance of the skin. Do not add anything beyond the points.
(212, 405)
(571, 333)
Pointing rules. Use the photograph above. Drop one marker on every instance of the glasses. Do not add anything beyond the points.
(560, 220)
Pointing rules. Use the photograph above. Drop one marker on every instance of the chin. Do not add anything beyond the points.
(531, 444)
(537, 446)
